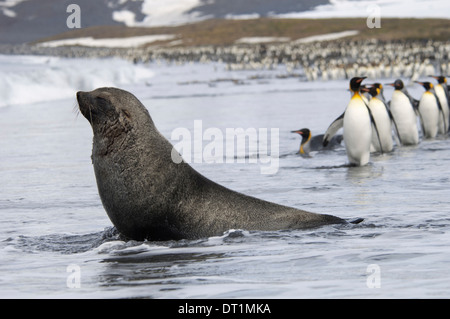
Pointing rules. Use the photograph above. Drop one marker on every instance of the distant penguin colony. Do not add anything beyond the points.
(371, 125)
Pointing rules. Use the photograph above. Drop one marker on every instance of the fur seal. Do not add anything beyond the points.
(149, 196)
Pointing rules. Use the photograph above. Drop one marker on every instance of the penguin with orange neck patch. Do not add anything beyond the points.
(443, 96)
(311, 143)
(404, 112)
(357, 123)
(430, 110)
(381, 116)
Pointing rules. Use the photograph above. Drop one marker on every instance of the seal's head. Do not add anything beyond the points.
(110, 107)
(114, 115)
(117, 117)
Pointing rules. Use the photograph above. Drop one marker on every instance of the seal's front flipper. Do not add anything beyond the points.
(356, 221)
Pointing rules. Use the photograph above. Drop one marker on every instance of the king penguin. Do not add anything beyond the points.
(380, 113)
(381, 94)
(403, 110)
(311, 143)
(430, 111)
(356, 121)
(442, 94)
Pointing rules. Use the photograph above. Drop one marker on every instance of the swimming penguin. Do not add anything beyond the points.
(382, 119)
(403, 110)
(430, 110)
(311, 143)
(356, 121)
(442, 94)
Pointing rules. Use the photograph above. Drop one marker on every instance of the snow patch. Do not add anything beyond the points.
(125, 16)
(169, 12)
(111, 42)
(251, 40)
(249, 16)
(328, 36)
(388, 9)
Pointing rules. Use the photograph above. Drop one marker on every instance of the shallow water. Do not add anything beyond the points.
(52, 220)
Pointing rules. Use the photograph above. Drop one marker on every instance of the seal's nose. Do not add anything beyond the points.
(79, 94)
(84, 105)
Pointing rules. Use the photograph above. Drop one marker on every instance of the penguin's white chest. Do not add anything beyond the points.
(429, 113)
(383, 122)
(405, 118)
(357, 132)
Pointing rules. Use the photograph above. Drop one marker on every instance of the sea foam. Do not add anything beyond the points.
(32, 79)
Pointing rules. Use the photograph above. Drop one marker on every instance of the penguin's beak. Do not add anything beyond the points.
(365, 89)
(390, 84)
(298, 132)
(359, 80)
(421, 83)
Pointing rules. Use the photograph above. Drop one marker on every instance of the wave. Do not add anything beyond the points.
(63, 243)
(32, 79)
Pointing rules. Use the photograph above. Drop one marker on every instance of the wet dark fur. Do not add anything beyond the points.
(149, 196)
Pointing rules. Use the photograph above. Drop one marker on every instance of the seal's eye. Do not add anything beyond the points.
(127, 114)
(103, 97)
(101, 100)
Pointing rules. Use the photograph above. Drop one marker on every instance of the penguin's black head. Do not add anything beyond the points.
(374, 91)
(355, 83)
(441, 79)
(427, 85)
(398, 84)
(304, 132)
(378, 86)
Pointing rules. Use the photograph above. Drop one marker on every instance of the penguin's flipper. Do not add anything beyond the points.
(440, 110)
(414, 102)
(393, 121)
(422, 125)
(332, 129)
(372, 119)
(415, 105)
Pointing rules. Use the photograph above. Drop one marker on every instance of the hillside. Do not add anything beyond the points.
(222, 32)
